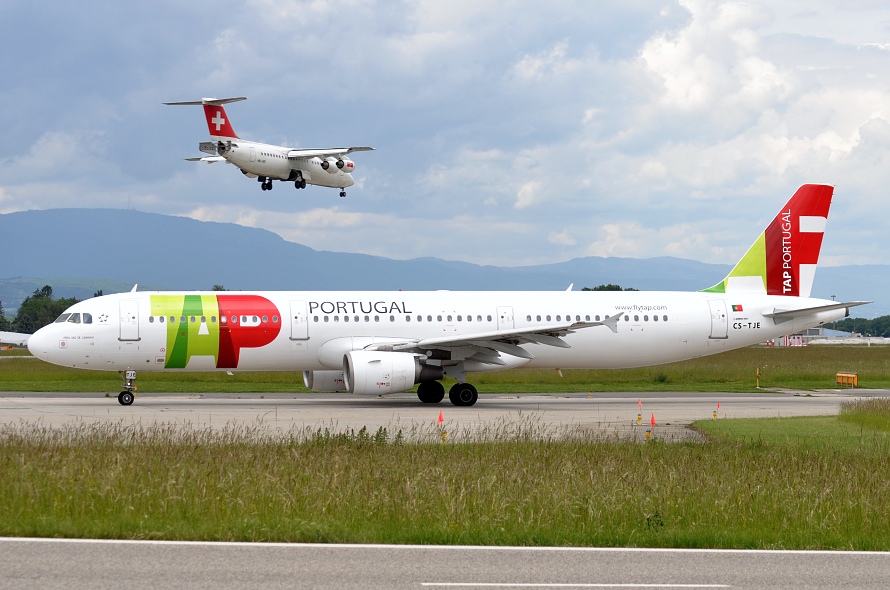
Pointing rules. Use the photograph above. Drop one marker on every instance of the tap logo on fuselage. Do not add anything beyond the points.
(215, 325)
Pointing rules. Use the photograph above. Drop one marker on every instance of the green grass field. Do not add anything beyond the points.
(790, 483)
(811, 367)
(778, 484)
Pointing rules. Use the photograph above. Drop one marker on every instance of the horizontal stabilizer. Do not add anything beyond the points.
(208, 159)
(784, 315)
(211, 101)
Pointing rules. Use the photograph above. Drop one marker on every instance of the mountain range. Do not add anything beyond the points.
(80, 251)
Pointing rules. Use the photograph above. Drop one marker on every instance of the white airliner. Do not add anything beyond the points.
(322, 167)
(367, 342)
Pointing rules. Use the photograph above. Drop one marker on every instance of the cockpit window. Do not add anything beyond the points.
(62, 318)
(88, 318)
(74, 318)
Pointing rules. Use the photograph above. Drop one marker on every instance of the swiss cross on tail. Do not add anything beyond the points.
(218, 122)
(782, 261)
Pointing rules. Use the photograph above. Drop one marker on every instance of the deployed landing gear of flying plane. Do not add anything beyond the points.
(463, 394)
(299, 183)
(430, 392)
(126, 397)
(342, 193)
(267, 185)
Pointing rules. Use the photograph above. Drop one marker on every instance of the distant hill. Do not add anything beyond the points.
(113, 249)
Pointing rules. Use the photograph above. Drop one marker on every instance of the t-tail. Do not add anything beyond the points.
(218, 122)
(782, 261)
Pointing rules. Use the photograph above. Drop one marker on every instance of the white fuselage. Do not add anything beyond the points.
(307, 331)
(271, 161)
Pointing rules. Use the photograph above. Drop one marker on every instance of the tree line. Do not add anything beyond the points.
(36, 311)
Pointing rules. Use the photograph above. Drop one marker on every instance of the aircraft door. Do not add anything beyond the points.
(719, 319)
(252, 154)
(505, 318)
(129, 320)
(299, 321)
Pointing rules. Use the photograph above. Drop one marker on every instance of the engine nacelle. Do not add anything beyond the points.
(324, 380)
(346, 165)
(371, 371)
(330, 165)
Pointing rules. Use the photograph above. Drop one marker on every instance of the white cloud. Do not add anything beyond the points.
(632, 129)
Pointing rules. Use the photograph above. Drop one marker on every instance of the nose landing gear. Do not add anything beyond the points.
(126, 397)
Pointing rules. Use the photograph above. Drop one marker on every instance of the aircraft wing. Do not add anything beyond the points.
(14, 338)
(325, 152)
(486, 346)
(208, 159)
(784, 315)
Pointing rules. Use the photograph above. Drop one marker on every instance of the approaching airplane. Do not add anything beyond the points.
(368, 342)
(322, 167)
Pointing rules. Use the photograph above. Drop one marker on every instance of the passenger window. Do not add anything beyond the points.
(429, 318)
(172, 320)
(161, 319)
(223, 319)
(192, 319)
(548, 318)
(407, 318)
(636, 318)
(558, 318)
(325, 318)
(489, 318)
(151, 319)
(203, 319)
(274, 319)
(645, 318)
(664, 317)
(597, 318)
(655, 318)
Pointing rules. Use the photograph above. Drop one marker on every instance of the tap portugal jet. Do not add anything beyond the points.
(322, 167)
(381, 342)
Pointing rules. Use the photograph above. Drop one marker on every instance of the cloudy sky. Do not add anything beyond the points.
(508, 133)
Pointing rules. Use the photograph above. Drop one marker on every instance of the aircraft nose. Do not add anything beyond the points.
(38, 343)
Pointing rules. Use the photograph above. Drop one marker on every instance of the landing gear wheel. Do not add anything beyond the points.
(267, 186)
(430, 392)
(463, 394)
(302, 184)
(125, 398)
(342, 193)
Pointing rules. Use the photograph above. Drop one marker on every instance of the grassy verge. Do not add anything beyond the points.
(511, 486)
(812, 367)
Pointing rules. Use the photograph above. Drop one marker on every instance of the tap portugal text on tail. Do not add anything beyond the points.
(378, 342)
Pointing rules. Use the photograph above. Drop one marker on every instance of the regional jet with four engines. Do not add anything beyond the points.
(383, 342)
(303, 166)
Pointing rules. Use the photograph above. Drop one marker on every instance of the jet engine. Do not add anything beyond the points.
(331, 165)
(371, 371)
(324, 380)
(346, 165)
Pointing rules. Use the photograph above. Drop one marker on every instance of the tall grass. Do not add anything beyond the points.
(514, 484)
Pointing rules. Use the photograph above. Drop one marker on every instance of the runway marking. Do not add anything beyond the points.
(557, 585)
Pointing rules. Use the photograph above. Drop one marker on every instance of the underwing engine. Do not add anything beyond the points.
(375, 372)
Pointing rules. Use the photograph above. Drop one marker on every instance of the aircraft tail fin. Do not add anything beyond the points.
(782, 261)
(217, 120)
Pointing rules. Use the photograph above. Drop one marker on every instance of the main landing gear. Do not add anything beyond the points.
(299, 183)
(126, 397)
(461, 394)
(266, 183)
(342, 193)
